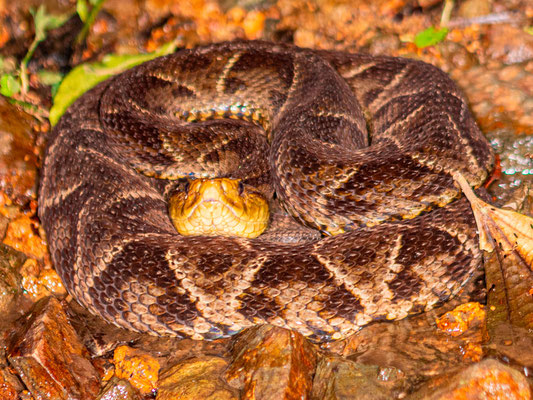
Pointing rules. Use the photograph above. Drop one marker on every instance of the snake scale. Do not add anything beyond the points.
(347, 142)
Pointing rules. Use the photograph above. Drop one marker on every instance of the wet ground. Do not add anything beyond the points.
(54, 349)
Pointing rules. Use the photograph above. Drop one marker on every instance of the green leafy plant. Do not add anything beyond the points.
(87, 11)
(9, 85)
(15, 82)
(85, 76)
(431, 36)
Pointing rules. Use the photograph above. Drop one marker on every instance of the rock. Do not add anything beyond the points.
(10, 280)
(10, 386)
(272, 363)
(119, 389)
(49, 358)
(488, 379)
(138, 367)
(462, 318)
(18, 160)
(509, 44)
(341, 379)
(196, 378)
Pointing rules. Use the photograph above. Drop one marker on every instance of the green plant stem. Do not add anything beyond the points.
(90, 20)
(446, 13)
(24, 65)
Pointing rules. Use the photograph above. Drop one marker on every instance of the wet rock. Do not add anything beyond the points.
(8, 212)
(118, 389)
(510, 44)
(515, 164)
(49, 358)
(10, 385)
(338, 379)
(18, 160)
(196, 378)
(462, 318)
(488, 379)
(272, 363)
(138, 367)
(10, 280)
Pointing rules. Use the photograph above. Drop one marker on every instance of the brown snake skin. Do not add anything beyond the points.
(344, 140)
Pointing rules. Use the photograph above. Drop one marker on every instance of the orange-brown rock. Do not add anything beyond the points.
(337, 378)
(9, 385)
(510, 44)
(272, 363)
(196, 378)
(18, 159)
(486, 380)
(10, 279)
(119, 389)
(49, 358)
(22, 235)
(462, 317)
(138, 367)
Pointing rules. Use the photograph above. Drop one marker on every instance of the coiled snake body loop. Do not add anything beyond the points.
(351, 143)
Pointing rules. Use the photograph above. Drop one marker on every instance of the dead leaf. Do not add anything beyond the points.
(509, 230)
(508, 275)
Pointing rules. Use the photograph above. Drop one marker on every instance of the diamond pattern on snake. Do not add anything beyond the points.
(355, 153)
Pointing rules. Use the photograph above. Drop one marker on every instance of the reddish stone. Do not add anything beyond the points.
(272, 363)
(49, 357)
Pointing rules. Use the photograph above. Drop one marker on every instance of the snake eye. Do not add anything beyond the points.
(241, 188)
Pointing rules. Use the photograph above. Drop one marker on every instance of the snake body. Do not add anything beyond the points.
(353, 143)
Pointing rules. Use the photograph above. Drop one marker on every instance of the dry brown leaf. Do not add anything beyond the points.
(509, 230)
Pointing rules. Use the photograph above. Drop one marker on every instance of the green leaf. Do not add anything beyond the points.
(529, 29)
(85, 76)
(9, 85)
(44, 22)
(82, 8)
(430, 37)
(49, 77)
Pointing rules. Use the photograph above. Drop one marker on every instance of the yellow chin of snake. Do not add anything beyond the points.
(219, 207)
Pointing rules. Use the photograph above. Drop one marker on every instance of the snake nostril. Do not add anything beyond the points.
(240, 188)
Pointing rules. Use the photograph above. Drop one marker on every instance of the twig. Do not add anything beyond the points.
(495, 18)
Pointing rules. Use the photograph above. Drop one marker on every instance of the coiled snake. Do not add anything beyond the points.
(347, 142)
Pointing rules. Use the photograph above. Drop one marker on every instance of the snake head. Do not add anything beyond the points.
(218, 206)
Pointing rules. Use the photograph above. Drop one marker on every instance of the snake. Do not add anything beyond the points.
(361, 148)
